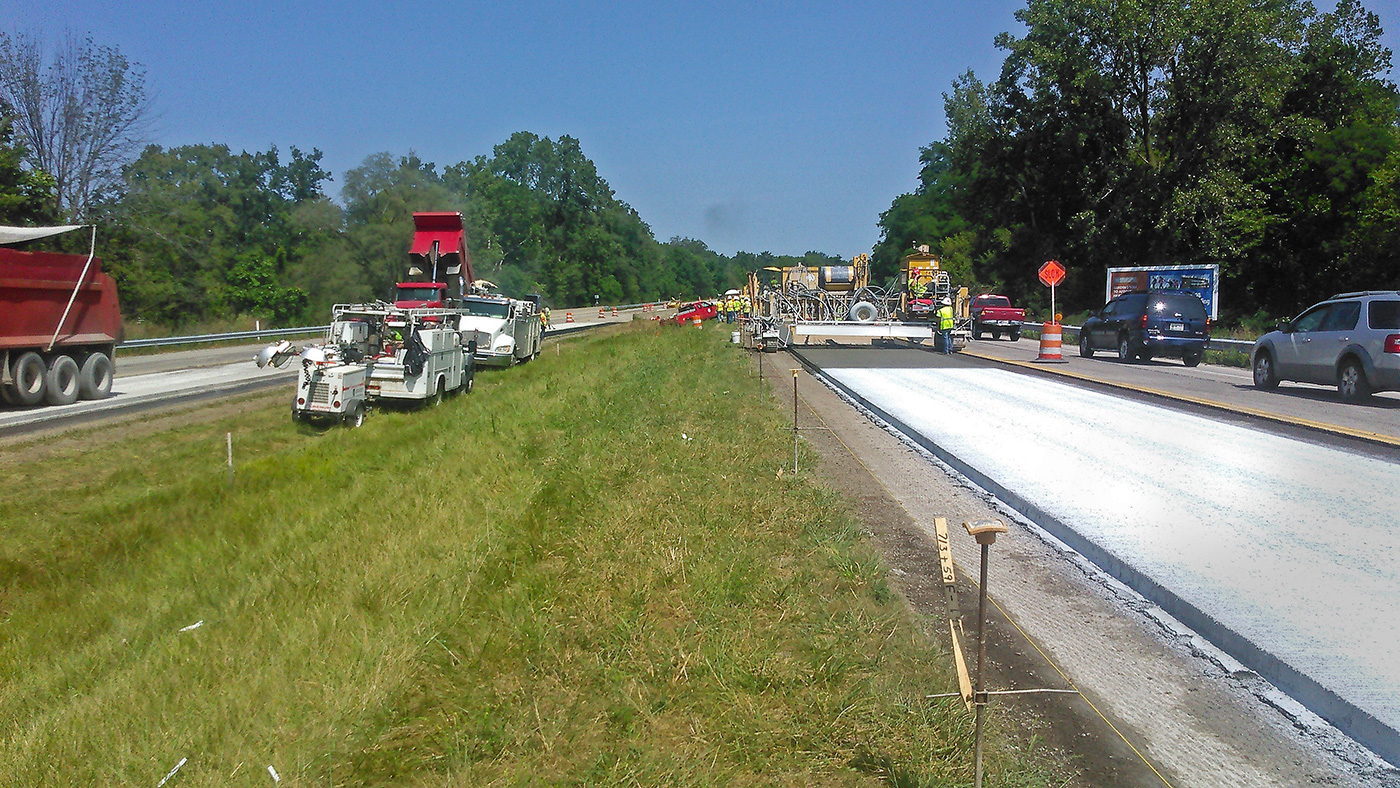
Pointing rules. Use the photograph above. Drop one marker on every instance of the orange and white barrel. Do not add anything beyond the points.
(1050, 340)
(600, 313)
(568, 317)
(698, 323)
(614, 311)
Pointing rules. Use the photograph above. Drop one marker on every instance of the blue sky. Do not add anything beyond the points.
(776, 126)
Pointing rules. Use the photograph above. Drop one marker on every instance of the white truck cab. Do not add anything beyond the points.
(507, 331)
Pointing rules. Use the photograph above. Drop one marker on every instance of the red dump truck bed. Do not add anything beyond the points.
(35, 366)
(34, 290)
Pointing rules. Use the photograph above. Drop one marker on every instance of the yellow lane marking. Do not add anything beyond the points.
(1365, 435)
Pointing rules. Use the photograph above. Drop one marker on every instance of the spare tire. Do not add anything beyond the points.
(863, 312)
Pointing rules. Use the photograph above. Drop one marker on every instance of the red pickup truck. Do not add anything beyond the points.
(994, 314)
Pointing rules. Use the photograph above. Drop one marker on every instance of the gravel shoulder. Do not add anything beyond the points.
(1159, 706)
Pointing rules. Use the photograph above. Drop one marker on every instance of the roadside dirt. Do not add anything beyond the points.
(1152, 712)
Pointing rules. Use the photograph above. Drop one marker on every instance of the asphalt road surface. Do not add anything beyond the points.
(1289, 545)
(1229, 386)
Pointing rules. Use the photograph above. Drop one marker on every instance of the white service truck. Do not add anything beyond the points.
(377, 352)
(507, 331)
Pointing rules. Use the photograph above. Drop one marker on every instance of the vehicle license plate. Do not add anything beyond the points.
(1176, 326)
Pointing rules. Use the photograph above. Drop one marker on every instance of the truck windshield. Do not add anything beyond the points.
(488, 308)
(419, 294)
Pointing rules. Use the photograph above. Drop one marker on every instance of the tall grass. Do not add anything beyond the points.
(541, 582)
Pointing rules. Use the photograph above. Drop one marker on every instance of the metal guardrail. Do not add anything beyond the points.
(230, 336)
(1213, 344)
(269, 333)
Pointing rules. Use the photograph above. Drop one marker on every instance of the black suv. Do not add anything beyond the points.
(1147, 324)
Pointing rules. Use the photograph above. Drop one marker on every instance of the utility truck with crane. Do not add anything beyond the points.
(411, 351)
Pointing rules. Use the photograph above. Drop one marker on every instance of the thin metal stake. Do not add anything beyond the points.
(230, 457)
(794, 421)
(985, 532)
(978, 698)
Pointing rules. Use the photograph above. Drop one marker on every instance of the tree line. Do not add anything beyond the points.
(1261, 135)
(197, 232)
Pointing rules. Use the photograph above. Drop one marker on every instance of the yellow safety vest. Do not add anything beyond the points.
(945, 318)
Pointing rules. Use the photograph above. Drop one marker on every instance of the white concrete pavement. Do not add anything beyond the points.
(1289, 544)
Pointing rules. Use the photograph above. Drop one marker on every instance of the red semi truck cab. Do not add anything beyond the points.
(420, 295)
(59, 324)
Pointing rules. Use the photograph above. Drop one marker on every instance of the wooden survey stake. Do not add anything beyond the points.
(950, 598)
(964, 679)
(945, 565)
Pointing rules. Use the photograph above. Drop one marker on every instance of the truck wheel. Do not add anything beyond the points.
(355, 416)
(29, 372)
(1351, 382)
(95, 377)
(61, 382)
(976, 331)
(1016, 335)
(435, 399)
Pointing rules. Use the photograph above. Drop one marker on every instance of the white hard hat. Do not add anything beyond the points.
(946, 302)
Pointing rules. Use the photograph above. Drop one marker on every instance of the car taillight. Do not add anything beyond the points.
(1144, 321)
(301, 400)
(1207, 325)
(1392, 343)
(337, 403)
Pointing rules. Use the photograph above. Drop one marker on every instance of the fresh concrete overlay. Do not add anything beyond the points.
(1289, 544)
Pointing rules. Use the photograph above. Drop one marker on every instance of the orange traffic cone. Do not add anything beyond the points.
(568, 317)
(1050, 335)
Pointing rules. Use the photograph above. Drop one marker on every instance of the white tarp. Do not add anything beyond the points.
(17, 235)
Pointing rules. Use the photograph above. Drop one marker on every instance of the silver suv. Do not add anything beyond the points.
(1351, 340)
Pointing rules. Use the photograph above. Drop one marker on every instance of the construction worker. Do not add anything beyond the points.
(544, 319)
(945, 324)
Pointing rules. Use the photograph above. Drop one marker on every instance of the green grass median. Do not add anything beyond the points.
(588, 571)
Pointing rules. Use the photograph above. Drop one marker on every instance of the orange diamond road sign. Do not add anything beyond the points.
(1052, 273)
